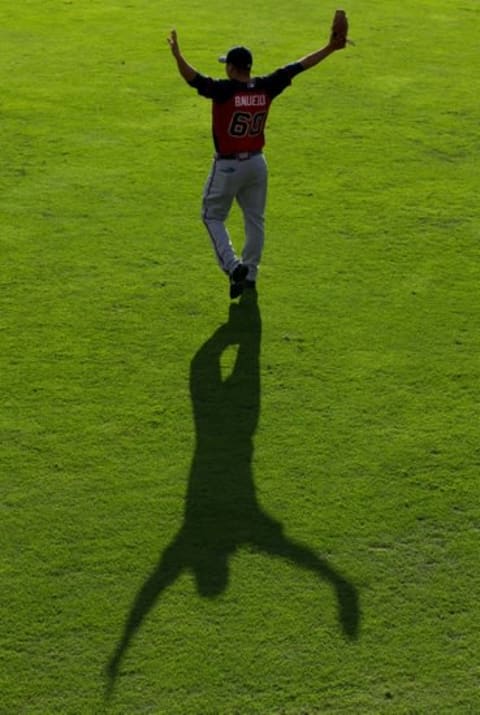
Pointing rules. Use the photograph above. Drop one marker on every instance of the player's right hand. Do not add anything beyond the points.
(173, 42)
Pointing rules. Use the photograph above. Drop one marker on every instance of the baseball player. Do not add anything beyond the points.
(240, 107)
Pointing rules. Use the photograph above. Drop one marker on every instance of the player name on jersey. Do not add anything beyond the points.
(250, 100)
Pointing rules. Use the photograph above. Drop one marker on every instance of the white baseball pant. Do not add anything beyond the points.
(245, 181)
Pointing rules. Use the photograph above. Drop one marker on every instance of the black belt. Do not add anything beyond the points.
(241, 156)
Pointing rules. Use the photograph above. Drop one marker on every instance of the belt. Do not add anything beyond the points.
(241, 156)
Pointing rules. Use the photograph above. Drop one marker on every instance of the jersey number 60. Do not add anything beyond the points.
(245, 123)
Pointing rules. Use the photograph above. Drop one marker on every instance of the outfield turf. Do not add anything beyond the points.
(333, 477)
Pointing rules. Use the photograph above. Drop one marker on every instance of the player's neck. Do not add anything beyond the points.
(240, 75)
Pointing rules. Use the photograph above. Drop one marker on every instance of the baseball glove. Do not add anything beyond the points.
(338, 37)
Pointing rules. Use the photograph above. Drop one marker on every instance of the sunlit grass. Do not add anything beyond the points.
(334, 477)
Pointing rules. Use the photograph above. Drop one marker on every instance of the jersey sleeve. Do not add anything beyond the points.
(279, 80)
(216, 89)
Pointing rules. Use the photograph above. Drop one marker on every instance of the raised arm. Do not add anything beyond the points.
(338, 40)
(187, 71)
(315, 57)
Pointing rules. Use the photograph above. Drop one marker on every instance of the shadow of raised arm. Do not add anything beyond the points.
(169, 568)
(273, 542)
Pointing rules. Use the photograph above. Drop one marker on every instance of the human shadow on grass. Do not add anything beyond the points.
(222, 513)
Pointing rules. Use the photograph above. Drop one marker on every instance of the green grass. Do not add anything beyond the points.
(341, 459)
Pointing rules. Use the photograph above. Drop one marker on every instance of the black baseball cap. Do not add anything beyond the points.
(239, 57)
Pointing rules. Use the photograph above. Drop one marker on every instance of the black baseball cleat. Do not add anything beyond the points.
(237, 280)
(239, 273)
(236, 289)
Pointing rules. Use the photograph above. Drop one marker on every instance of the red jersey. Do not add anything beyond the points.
(240, 109)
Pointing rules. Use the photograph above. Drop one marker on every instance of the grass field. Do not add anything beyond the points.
(322, 445)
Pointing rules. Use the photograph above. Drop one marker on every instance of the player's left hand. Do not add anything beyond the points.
(339, 33)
